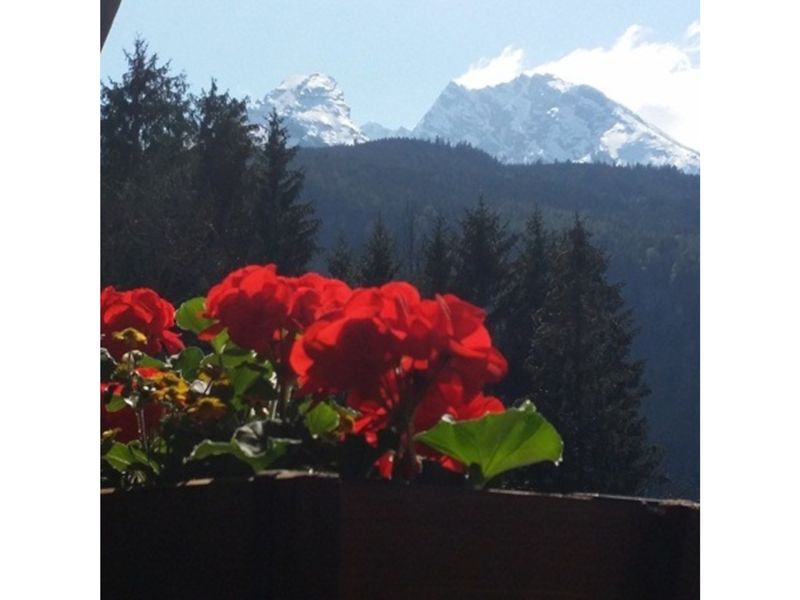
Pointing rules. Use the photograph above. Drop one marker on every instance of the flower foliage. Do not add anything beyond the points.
(297, 362)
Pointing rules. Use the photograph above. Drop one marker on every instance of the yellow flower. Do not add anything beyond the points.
(133, 338)
(168, 386)
(109, 434)
(207, 408)
(177, 393)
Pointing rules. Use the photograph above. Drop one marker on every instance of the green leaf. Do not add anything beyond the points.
(496, 443)
(208, 448)
(125, 457)
(116, 403)
(220, 341)
(252, 439)
(249, 444)
(233, 356)
(188, 316)
(321, 419)
(149, 361)
(258, 462)
(119, 457)
(242, 378)
(188, 362)
(140, 457)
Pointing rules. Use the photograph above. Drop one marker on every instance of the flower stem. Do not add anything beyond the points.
(140, 422)
(283, 402)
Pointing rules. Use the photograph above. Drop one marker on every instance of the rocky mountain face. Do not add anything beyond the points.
(533, 118)
(314, 110)
(542, 118)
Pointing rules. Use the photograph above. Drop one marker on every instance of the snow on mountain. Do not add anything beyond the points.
(541, 117)
(376, 131)
(314, 111)
(531, 118)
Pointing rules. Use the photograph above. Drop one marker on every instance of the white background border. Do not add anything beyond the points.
(50, 266)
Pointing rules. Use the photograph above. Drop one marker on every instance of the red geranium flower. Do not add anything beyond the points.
(138, 319)
(349, 352)
(448, 395)
(313, 296)
(449, 331)
(254, 303)
(353, 347)
(402, 361)
(264, 311)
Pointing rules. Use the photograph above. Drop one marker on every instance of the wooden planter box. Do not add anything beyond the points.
(289, 535)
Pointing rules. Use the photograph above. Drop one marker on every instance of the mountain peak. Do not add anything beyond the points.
(314, 111)
(534, 117)
(313, 81)
(541, 117)
(554, 82)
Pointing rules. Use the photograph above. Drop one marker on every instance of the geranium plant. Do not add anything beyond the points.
(305, 372)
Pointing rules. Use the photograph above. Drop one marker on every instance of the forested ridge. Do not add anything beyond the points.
(647, 219)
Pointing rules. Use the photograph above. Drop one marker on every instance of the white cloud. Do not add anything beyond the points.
(492, 71)
(658, 80)
(693, 31)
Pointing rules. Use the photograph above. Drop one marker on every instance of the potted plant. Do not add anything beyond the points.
(358, 392)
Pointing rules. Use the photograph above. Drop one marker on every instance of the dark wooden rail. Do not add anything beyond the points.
(285, 535)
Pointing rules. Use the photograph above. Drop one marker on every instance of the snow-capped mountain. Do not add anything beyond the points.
(531, 118)
(541, 117)
(314, 111)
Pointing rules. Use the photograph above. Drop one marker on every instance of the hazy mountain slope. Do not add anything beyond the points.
(542, 118)
(376, 131)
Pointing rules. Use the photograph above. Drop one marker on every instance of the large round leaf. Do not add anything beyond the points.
(496, 443)
(189, 316)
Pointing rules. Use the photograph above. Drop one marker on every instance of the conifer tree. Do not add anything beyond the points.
(483, 255)
(144, 119)
(437, 257)
(287, 227)
(340, 261)
(584, 380)
(519, 301)
(148, 230)
(410, 264)
(378, 264)
(224, 150)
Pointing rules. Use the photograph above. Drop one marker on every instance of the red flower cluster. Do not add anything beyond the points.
(403, 361)
(138, 319)
(263, 310)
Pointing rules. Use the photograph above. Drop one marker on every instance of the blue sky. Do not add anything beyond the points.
(392, 58)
